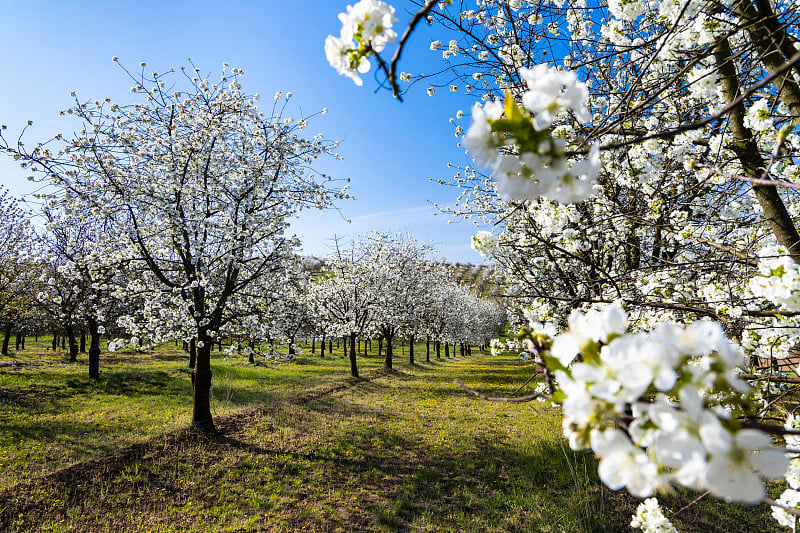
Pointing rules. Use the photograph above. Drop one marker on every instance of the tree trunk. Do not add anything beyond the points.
(192, 354)
(746, 149)
(73, 344)
(94, 350)
(322, 347)
(411, 350)
(55, 341)
(63, 342)
(353, 367)
(83, 341)
(387, 360)
(17, 341)
(313, 348)
(380, 346)
(427, 349)
(4, 350)
(438, 350)
(446, 350)
(201, 411)
(344, 341)
(291, 346)
(330, 347)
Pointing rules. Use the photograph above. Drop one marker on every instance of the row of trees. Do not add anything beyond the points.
(190, 189)
(165, 220)
(387, 286)
(382, 287)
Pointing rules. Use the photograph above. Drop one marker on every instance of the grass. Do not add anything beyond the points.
(301, 447)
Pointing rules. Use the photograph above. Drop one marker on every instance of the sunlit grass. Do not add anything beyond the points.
(303, 448)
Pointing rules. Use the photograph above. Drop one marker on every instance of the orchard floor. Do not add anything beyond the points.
(300, 448)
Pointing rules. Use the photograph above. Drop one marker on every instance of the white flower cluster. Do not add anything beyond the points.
(366, 28)
(499, 346)
(695, 443)
(527, 160)
(650, 518)
(778, 278)
(791, 496)
(626, 9)
(758, 117)
(485, 243)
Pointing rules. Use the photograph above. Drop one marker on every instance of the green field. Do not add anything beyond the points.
(300, 447)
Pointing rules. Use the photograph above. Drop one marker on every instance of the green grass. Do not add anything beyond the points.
(301, 448)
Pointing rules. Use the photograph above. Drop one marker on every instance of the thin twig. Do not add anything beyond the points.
(501, 399)
(524, 384)
(419, 15)
(776, 379)
(682, 509)
(754, 181)
(790, 510)
(769, 428)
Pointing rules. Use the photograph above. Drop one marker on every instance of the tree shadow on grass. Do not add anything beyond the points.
(324, 462)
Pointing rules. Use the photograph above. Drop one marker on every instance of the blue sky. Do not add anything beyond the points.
(390, 149)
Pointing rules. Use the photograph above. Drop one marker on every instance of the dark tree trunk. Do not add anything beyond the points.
(291, 346)
(6, 338)
(17, 341)
(201, 412)
(321, 347)
(411, 350)
(427, 349)
(313, 349)
(55, 342)
(73, 344)
(94, 350)
(446, 350)
(438, 350)
(193, 354)
(83, 342)
(330, 346)
(380, 346)
(219, 344)
(64, 342)
(22, 344)
(387, 360)
(185, 346)
(344, 341)
(353, 367)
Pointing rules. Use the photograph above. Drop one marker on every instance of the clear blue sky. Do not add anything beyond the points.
(390, 149)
